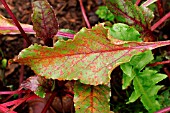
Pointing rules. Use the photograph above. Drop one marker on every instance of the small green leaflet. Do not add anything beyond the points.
(124, 32)
(104, 13)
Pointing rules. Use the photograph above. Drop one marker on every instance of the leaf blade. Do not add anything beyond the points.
(91, 99)
(44, 20)
(145, 86)
(86, 58)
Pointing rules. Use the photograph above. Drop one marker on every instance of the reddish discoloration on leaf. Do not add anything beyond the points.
(93, 52)
(91, 99)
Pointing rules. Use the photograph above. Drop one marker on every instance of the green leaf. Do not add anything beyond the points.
(104, 13)
(152, 77)
(7, 26)
(144, 82)
(150, 101)
(91, 99)
(140, 61)
(134, 96)
(127, 80)
(44, 20)
(139, 17)
(90, 57)
(127, 69)
(124, 32)
(40, 92)
(145, 86)
(137, 63)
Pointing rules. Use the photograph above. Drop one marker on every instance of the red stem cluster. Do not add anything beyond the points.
(16, 103)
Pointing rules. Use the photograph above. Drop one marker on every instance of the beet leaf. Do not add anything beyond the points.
(91, 99)
(44, 20)
(89, 57)
(139, 17)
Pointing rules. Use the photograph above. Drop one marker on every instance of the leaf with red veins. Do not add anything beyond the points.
(125, 11)
(90, 57)
(44, 20)
(91, 99)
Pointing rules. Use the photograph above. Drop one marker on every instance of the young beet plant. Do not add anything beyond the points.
(89, 58)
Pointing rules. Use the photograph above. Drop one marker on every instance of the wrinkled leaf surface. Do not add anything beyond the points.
(124, 32)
